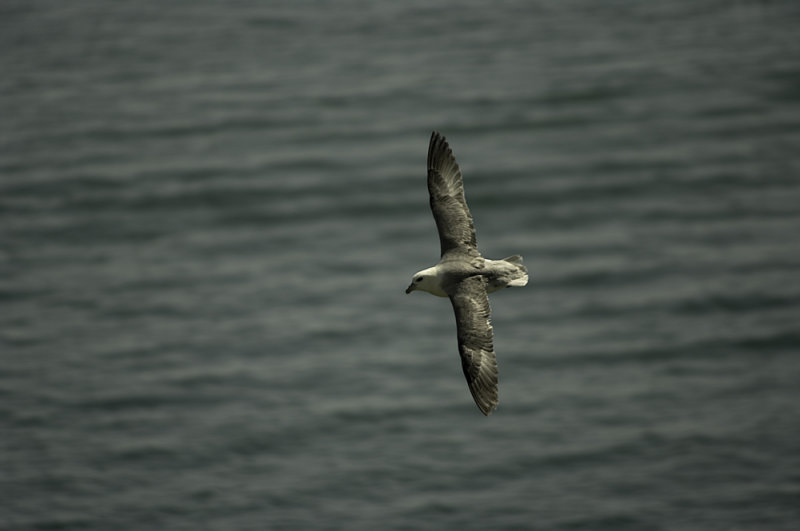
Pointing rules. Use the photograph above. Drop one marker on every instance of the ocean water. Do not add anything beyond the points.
(209, 212)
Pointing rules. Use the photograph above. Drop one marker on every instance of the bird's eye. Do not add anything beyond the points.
(419, 279)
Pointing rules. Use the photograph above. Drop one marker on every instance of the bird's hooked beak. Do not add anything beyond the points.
(410, 288)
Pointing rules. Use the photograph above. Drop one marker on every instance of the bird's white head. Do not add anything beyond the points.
(426, 280)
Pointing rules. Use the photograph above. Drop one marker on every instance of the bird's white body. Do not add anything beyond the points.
(505, 273)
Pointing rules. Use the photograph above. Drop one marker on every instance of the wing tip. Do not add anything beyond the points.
(487, 409)
(483, 386)
(439, 151)
(486, 404)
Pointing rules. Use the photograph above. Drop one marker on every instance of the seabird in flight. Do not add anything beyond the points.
(463, 275)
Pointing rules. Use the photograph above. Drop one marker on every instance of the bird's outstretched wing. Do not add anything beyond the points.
(446, 188)
(474, 329)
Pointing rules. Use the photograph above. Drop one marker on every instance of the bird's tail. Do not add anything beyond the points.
(520, 277)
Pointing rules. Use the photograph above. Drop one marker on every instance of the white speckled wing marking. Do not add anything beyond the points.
(475, 340)
(449, 207)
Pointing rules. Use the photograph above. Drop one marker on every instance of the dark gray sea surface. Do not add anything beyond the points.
(209, 212)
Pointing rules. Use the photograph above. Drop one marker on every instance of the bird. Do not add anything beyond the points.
(463, 275)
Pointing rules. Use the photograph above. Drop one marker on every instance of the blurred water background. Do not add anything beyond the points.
(209, 211)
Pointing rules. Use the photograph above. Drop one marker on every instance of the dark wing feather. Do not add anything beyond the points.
(475, 340)
(449, 207)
